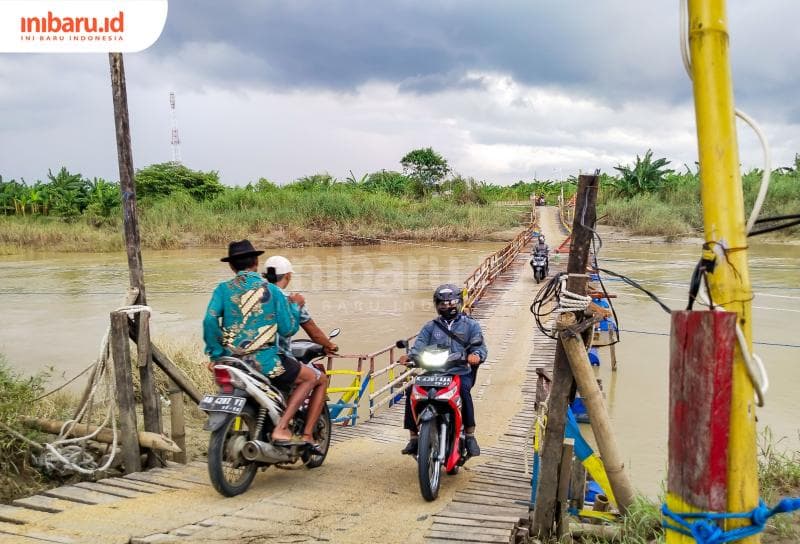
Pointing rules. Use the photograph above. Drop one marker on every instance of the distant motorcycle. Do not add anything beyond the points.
(539, 264)
(242, 416)
(436, 405)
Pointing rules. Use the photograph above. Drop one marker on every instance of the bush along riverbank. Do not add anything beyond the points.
(180, 207)
(648, 198)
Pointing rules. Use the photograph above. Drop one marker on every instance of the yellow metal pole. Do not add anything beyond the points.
(724, 222)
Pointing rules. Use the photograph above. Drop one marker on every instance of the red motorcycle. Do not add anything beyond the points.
(436, 405)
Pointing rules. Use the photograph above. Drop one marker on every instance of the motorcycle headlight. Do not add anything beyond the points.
(434, 359)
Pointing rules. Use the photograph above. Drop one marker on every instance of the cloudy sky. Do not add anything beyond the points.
(505, 90)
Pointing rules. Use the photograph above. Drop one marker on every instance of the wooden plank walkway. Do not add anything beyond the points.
(491, 507)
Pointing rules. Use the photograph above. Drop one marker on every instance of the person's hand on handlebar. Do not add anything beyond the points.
(474, 359)
(404, 360)
(331, 348)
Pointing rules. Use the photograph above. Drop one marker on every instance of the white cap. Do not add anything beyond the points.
(280, 264)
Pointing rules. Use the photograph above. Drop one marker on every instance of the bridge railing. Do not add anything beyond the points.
(378, 376)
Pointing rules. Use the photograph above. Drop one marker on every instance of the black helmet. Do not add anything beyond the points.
(448, 300)
(541, 238)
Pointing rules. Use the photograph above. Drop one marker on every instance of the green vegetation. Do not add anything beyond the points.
(650, 199)
(18, 396)
(180, 207)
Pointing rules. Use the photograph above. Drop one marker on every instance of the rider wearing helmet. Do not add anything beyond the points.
(466, 337)
(540, 246)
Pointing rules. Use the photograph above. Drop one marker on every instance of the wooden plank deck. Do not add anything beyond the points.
(492, 507)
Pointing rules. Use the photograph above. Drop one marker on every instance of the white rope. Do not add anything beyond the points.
(765, 176)
(754, 365)
(569, 301)
(64, 455)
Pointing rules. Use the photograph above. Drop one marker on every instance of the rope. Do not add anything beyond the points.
(705, 530)
(65, 455)
(569, 301)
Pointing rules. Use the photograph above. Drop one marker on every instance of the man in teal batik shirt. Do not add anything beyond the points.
(244, 319)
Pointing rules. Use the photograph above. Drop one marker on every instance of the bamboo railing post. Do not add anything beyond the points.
(598, 414)
(177, 423)
(126, 402)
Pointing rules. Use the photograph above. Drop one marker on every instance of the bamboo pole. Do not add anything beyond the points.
(724, 224)
(598, 415)
(145, 439)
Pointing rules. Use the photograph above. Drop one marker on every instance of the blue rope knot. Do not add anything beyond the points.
(703, 527)
(707, 532)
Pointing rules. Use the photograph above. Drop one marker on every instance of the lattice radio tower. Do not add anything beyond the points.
(174, 139)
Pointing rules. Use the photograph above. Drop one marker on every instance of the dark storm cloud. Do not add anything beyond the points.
(427, 45)
(614, 49)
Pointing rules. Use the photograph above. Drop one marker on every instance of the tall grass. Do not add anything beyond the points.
(339, 215)
(18, 397)
(675, 208)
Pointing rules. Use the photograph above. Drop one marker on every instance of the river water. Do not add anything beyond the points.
(55, 309)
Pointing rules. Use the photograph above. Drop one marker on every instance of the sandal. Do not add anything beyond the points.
(313, 447)
(293, 441)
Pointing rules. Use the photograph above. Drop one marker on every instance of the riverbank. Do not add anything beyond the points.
(674, 209)
(293, 220)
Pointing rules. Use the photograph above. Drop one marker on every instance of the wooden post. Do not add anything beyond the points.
(151, 400)
(700, 388)
(177, 424)
(562, 386)
(598, 415)
(577, 486)
(126, 183)
(126, 402)
(564, 470)
(612, 348)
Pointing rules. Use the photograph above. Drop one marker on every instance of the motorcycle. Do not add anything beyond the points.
(540, 266)
(242, 416)
(436, 405)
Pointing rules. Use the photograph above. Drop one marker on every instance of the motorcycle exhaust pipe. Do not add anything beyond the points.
(264, 452)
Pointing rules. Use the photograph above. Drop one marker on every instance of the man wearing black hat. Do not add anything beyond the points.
(244, 319)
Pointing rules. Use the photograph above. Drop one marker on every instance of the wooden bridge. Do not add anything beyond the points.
(366, 491)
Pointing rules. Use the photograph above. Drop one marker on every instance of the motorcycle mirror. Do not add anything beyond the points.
(334, 333)
(403, 344)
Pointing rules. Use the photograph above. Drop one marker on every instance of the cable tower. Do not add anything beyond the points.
(174, 139)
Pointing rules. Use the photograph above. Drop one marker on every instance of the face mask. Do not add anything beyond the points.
(447, 311)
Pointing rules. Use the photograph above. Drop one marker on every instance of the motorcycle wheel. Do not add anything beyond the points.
(322, 434)
(428, 465)
(230, 473)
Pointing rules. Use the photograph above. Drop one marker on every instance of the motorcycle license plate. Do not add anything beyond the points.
(222, 403)
(434, 381)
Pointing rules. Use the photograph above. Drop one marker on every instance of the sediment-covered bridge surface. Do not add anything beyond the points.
(365, 492)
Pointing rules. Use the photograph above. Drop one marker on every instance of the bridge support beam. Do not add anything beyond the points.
(547, 510)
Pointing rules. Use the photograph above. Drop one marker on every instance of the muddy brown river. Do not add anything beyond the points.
(55, 310)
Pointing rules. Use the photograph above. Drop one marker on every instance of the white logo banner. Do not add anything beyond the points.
(80, 26)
